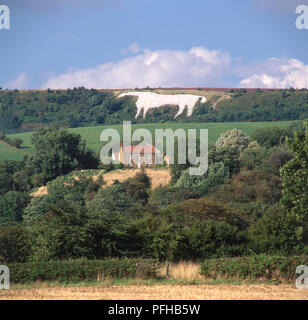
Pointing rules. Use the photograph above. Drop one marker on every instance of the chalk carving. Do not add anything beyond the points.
(150, 100)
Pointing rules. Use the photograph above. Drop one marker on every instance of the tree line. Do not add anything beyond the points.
(28, 110)
(252, 200)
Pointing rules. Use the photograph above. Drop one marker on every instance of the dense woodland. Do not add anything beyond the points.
(28, 110)
(253, 200)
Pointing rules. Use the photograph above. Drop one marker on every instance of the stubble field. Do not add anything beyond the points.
(160, 292)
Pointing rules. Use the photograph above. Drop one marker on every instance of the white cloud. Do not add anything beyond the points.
(166, 68)
(197, 67)
(21, 82)
(278, 73)
(133, 48)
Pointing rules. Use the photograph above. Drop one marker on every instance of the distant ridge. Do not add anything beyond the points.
(163, 88)
(27, 110)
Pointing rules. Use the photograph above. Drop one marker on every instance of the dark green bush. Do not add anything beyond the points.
(165, 195)
(12, 205)
(81, 270)
(269, 137)
(16, 143)
(14, 244)
(254, 267)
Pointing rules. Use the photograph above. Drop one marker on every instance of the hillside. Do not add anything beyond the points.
(92, 134)
(22, 111)
(158, 177)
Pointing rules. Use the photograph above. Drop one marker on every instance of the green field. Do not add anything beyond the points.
(92, 134)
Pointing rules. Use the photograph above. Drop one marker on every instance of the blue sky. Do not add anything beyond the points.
(139, 43)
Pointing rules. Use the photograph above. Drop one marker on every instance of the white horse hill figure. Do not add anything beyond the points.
(150, 100)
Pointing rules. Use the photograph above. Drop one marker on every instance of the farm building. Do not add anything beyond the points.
(138, 156)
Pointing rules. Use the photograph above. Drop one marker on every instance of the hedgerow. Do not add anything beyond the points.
(81, 270)
(254, 267)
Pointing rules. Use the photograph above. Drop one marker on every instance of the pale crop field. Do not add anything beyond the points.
(160, 292)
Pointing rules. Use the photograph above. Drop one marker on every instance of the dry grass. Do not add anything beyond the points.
(158, 177)
(182, 271)
(161, 292)
(42, 191)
